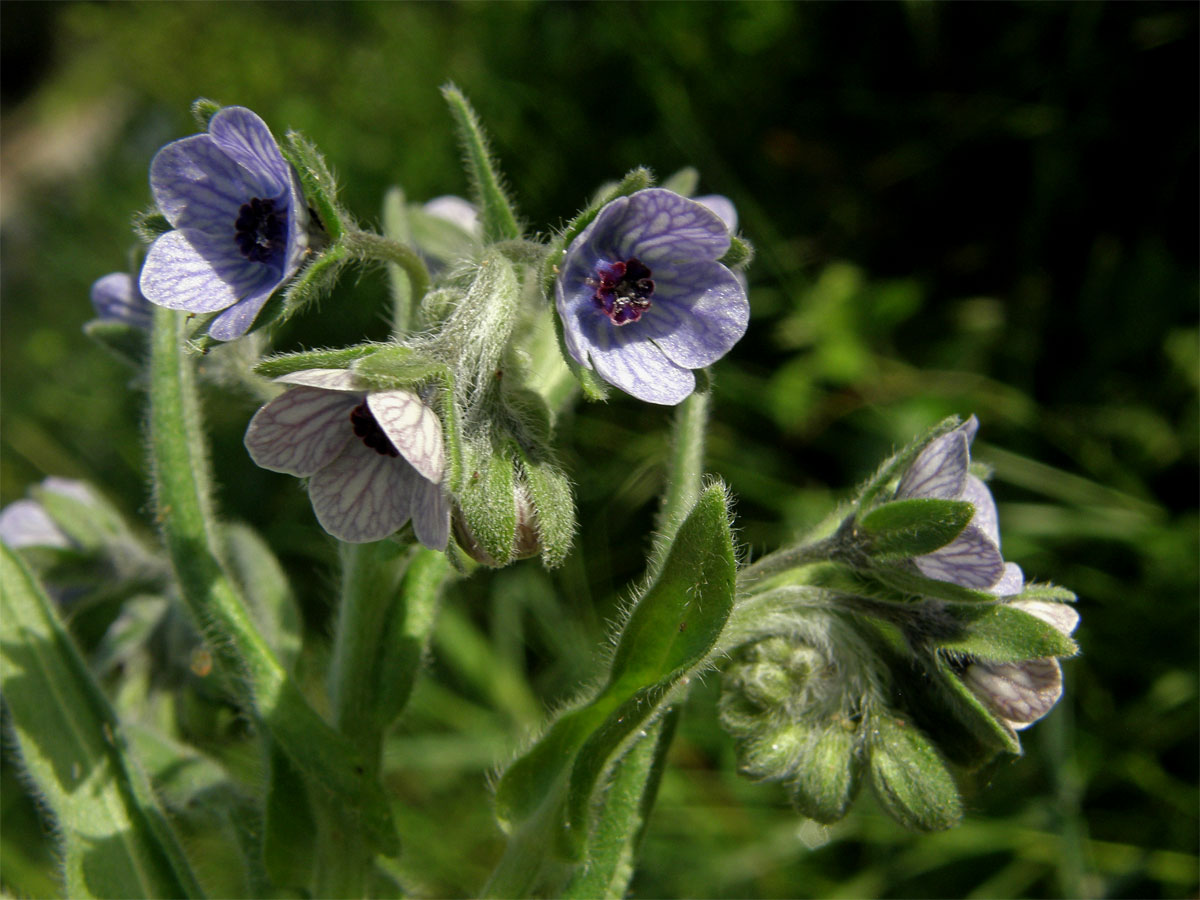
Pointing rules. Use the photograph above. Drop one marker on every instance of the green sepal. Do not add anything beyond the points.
(115, 840)
(911, 584)
(1050, 593)
(126, 342)
(826, 774)
(1003, 633)
(310, 284)
(392, 366)
(497, 221)
(203, 110)
(903, 529)
(963, 726)
(684, 182)
(149, 224)
(740, 253)
(488, 504)
(909, 777)
(287, 363)
(894, 466)
(320, 187)
(554, 501)
(672, 628)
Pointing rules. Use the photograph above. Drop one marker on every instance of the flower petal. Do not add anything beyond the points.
(248, 141)
(328, 379)
(722, 206)
(190, 270)
(698, 313)
(1010, 583)
(430, 513)
(1020, 692)
(630, 361)
(413, 429)
(116, 297)
(301, 430)
(1060, 615)
(25, 523)
(985, 519)
(661, 226)
(970, 560)
(236, 320)
(362, 495)
(197, 185)
(940, 471)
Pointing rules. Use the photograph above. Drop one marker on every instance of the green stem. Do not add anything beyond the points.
(788, 558)
(259, 681)
(385, 617)
(685, 466)
(367, 245)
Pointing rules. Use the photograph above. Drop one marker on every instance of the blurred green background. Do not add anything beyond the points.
(958, 208)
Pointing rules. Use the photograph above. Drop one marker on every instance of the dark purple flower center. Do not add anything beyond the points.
(261, 230)
(368, 429)
(623, 290)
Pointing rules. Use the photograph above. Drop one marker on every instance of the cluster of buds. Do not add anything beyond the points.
(899, 649)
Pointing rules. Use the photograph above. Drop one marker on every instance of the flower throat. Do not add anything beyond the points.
(623, 290)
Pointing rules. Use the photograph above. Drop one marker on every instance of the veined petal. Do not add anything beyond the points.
(413, 429)
(197, 185)
(430, 512)
(362, 495)
(247, 140)
(1020, 692)
(970, 560)
(940, 471)
(190, 270)
(633, 363)
(328, 379)
(985, 519)
(660, 226)
(700, 312)
(301, 430)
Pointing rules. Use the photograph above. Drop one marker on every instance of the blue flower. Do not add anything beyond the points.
(240, 222)
(117, 299)
(643, 298)
(373, 459)
(973, 558)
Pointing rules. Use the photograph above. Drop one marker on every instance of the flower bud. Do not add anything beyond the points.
(909, 777)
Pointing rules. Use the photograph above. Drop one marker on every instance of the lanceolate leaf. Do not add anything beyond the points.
(116, 841)
(673, 626)
(1003, 633)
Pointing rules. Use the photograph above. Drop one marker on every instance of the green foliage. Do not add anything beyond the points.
(903, 529)
(115, 838)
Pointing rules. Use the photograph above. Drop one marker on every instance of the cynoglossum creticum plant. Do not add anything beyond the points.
(894, 646)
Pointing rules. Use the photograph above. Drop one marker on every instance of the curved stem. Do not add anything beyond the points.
(367, 245)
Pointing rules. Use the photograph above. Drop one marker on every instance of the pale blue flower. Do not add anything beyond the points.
(373, 459)
(643, 298)
(240, 222)
(973, 558)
